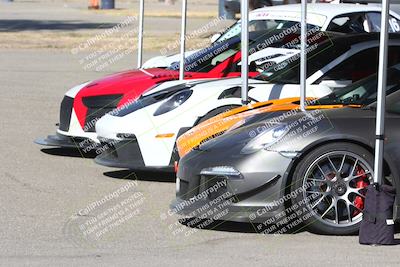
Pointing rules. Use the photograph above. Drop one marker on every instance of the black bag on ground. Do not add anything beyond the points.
(375, 229)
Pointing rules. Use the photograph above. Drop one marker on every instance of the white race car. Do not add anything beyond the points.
(345, 18)
(144, 133)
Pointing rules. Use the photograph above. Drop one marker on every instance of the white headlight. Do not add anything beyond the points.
(265, 138)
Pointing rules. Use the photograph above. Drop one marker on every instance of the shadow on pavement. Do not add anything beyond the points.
(68, 152)
(237, 227)
(32, 25)
(143, 175)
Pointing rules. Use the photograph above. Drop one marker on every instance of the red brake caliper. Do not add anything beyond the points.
(361, 183)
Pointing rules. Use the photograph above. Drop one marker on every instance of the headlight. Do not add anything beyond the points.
(175, 101)
(265, 138)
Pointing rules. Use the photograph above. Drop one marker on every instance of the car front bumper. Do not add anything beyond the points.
(123, 154)
(251, 190)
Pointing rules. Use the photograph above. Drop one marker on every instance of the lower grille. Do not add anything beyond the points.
(98, 106)
(65, 113)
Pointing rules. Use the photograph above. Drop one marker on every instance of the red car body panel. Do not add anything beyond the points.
(132, 84)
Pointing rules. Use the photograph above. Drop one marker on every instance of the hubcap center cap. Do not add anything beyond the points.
(340, 188)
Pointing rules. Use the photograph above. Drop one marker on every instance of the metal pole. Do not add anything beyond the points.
(303, 55)
(244, 12)
(183, 39)
(140, 36)
(221, 8)
(381, 100)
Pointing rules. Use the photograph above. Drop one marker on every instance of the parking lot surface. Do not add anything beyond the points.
(47, 195)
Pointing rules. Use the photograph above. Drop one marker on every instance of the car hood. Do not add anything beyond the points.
(240, 136)
(219, 124)
(125, 80)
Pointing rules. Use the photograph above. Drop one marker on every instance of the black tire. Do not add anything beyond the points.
(331, 188)
(216, 112)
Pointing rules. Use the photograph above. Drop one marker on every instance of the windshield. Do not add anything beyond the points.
(288, 71)
(207, 58)
(364, 91)
(262, 51)
(261, 25)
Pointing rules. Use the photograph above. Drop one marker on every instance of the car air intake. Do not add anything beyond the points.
(65, 113)
(97, 107)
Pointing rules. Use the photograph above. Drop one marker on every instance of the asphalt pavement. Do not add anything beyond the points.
(58, 208)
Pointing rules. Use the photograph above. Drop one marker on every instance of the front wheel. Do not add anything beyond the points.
(332, 181)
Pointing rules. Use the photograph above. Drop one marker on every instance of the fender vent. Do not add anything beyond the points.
(98, 106)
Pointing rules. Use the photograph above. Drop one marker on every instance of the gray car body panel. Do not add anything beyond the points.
(265, 175)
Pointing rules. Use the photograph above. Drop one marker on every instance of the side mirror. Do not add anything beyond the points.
(215, 37)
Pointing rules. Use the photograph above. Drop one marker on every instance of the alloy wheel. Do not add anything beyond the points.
(335, 185)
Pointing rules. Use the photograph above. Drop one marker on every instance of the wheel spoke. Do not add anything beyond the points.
(336, 211)
(317, 202)
(354, 167)
(330, 161)
(314, 192)
(323, 174)
(356, 191)
(342, 163)
(348, 211)
(352, 177)
(316, 180)
(328, 209)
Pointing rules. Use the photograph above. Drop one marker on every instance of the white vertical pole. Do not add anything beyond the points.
(303, 55)
(183, 39)
(244, 18)
(381, 91)
(140, 37)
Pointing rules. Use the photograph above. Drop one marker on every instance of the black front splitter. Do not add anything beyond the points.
(63, 141)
